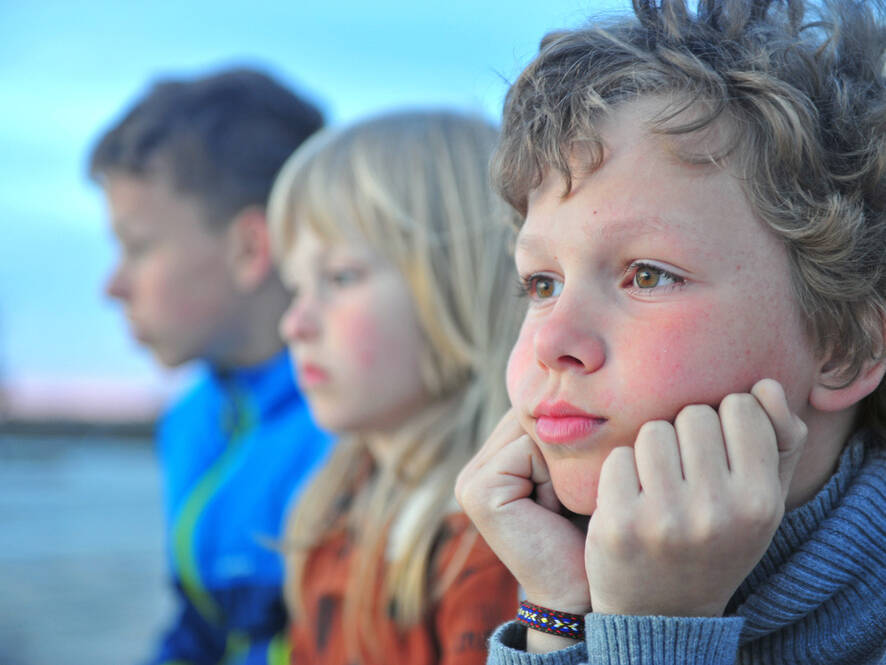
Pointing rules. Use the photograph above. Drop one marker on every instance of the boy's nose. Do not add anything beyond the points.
(299, 322)
(567, 342)
(117, 284)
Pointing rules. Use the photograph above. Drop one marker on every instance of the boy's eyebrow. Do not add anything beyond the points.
(637, 226)
(633, 227)
(529, 242)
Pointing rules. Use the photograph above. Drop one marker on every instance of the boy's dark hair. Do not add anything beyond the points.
(221, 138)
(800, 89)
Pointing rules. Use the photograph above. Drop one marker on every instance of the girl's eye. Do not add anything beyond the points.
(541, 287)
(345, 276)
(648, 276)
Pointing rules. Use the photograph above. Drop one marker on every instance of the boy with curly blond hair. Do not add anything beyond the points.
(694, 468)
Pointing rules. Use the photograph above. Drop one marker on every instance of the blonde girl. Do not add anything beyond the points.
(397, 254)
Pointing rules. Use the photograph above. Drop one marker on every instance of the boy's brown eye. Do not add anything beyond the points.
(541, 287)
(647, 278)
(544, 288)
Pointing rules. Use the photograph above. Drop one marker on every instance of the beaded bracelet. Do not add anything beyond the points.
(551, 621)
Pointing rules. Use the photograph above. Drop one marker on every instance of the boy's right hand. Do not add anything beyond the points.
(684, 516)
(507, 492)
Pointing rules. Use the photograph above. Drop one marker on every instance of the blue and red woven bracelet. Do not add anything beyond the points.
(551, 621)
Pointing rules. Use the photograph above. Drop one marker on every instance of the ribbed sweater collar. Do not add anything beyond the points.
(827, 555)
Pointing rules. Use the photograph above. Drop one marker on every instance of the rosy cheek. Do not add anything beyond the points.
(695, 356)
(360, 339)
(520, 361)
(667, 354)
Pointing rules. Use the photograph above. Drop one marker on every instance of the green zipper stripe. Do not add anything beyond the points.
(279, 652)
(236, 647)
(184, 550)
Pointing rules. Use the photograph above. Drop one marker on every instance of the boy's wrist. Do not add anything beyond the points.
(561, 603)
(549, 629)
(537, 642)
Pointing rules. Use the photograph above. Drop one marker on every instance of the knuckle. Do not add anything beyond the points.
(739, 403)
(466, 501)
(769, 390)
(801, 430)
(653, 431)
(666, 534)
(761, 509)
(617, 536)
(694, 413)
(460, 489)
(618, 455)
(472, 497)
(709, 526)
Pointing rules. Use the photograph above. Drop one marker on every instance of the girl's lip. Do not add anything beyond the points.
(311, 375)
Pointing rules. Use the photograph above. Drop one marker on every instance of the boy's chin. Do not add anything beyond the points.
(575, 487)
(171, 358)
(579, 509)
(577, 504)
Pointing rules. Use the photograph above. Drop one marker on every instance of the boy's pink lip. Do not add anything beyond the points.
(561, 422)
(311, 375)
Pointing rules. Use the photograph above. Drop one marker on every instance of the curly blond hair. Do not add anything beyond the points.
(800, 86)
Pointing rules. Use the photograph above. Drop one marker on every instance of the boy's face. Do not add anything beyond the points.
(173, 274)
(651, 287)
(354, 335)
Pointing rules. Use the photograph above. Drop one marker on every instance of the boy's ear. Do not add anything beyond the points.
(250, 248)
(825, 398)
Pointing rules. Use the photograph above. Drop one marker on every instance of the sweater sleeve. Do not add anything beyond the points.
(629, 640)
(637, 640)
(508, 647)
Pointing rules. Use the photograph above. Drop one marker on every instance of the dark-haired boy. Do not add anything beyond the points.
(186, 172)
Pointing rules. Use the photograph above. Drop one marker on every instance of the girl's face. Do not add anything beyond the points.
(354, 336)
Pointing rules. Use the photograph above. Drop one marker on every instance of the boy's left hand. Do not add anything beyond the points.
(684, 516)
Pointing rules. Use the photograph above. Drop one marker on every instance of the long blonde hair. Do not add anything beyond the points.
(415, 185)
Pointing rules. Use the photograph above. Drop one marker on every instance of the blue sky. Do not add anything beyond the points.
(68, 68)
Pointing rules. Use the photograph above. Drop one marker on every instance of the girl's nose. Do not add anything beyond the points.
(567, 341)
(299, 322)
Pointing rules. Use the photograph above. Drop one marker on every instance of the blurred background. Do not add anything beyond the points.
(81, 562)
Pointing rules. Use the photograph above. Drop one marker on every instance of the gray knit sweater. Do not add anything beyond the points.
(818, 595)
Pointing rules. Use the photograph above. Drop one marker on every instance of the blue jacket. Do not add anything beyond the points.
(234, 451)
